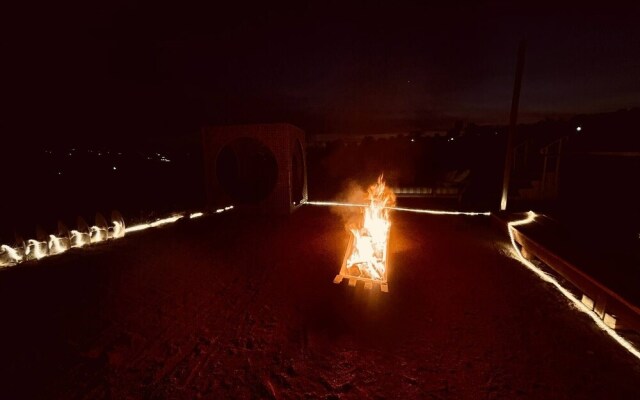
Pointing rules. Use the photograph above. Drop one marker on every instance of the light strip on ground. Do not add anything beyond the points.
(572, 299)
(414, 210)
(532, 267)
(11, 256)
(160, 222)
(334, 204)
(440, 212)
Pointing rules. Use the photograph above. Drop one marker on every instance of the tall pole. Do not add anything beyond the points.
(513, 120)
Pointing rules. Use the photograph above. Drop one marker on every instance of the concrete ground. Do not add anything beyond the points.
(231, 306)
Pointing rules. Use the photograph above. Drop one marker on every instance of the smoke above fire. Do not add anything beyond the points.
(355, 195)
(369, 225)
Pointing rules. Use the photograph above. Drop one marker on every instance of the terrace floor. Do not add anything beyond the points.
(231, 306)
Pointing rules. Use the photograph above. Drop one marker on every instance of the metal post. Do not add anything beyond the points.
(512, 125)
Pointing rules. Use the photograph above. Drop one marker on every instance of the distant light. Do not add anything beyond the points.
(59, 172)
(578, 129)
(114, 168)
(413, 140)
(408, 81)
(195, 215)
(496, 133)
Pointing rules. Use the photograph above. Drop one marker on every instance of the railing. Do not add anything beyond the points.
(613, 309)
(441, 191)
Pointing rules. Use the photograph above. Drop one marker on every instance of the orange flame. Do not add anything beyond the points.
(368, 258)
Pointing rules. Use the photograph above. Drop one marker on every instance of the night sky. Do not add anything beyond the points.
(131, 71)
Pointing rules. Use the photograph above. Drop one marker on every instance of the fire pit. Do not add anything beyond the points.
(366, 257)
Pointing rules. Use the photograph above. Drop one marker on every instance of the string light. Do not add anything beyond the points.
(35, 250)
(334, 203)
(531, 216)
(12, 254)
(160, 222)
(440, 212)
(413, 210)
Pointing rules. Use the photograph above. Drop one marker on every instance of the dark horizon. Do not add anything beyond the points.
(150, 250)
(135, 72)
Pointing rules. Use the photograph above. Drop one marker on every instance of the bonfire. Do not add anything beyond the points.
(366, 258)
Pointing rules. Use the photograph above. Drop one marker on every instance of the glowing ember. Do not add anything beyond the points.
(367, 253)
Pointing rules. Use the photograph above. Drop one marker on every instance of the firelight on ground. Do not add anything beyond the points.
(573, 300)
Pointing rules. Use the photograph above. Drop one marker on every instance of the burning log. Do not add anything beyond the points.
(366, 257)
